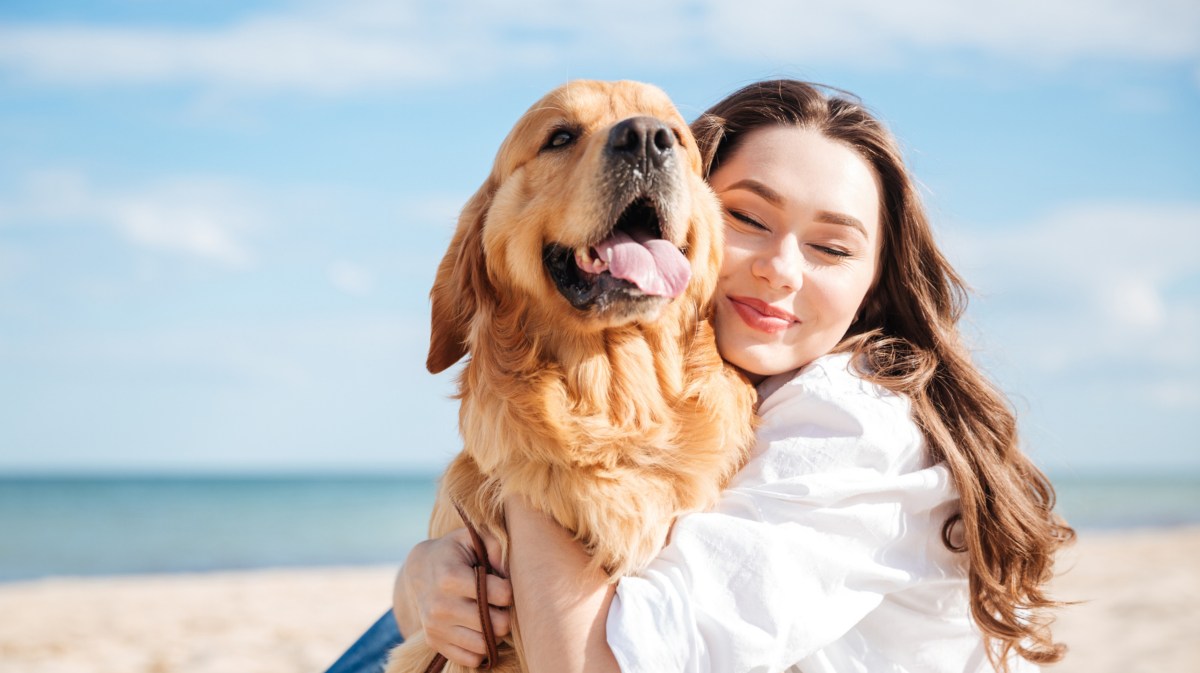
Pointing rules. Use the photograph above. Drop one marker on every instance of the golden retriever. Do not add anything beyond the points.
(578, 280)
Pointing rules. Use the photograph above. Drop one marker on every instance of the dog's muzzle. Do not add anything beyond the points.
(630, 265)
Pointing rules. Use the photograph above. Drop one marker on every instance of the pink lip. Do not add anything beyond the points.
(762, 316)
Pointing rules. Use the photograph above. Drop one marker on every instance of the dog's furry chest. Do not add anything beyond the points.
(614, 408)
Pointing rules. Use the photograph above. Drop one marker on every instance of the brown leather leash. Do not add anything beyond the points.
(482, 569)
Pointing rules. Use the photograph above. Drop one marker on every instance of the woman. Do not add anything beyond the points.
(887, 519)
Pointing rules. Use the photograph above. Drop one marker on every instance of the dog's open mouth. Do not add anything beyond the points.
(633, 262)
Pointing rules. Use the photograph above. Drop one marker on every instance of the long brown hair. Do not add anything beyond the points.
(908, 339)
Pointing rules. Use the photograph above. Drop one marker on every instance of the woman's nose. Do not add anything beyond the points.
(781, 265)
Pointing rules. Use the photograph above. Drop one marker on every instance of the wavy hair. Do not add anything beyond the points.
(907, 337)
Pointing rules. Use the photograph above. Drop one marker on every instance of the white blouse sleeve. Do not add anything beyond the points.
(836, 508)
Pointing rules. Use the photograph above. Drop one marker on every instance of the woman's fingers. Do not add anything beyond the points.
(445, 613)
(459, 656)
(499, 591)
(447, 610)
(495, 552)
(501, 622)
(456, 576)
(458, 639)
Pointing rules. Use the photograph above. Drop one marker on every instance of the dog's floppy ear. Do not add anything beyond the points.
(461, 284)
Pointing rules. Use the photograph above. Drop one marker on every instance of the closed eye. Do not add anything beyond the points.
(835, 252)
(747, 219)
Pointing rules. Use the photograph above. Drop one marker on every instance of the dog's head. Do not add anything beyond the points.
(595, 213)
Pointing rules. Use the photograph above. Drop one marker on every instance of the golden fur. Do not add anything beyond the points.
(614, 419)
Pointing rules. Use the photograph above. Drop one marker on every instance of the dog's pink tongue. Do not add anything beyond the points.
(654, 265)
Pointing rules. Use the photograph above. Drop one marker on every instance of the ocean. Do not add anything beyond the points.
(132, 525)
(54, 526)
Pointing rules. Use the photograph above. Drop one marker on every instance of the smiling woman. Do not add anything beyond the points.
(802, 243)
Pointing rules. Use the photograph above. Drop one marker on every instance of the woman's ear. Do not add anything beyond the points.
(461, 284)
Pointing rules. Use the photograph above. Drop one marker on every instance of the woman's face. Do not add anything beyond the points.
(802, 242)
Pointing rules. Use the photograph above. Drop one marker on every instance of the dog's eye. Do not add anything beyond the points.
(560, 138)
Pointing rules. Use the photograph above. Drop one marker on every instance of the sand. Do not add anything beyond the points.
(1142, 614)
(292, 621)
(1142, 603)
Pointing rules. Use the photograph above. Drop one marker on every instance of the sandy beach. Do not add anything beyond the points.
(1142, 613)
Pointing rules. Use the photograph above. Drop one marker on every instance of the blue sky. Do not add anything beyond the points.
(219, 221)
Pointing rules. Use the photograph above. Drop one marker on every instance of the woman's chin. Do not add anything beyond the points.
(760, 361)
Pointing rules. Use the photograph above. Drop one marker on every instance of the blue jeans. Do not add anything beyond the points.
(369, 653)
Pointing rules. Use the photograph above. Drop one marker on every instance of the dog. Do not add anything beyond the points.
(579, 280)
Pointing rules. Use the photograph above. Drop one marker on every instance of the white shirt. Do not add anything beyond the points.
(823, 554)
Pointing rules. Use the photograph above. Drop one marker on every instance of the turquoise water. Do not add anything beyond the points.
(106, 526)
(1129, 501)
(102, 526)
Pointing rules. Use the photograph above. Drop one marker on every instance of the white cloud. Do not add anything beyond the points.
(200, 232)
(375, 44)
(1022, 30)
(197, 217)
(1100, 285)
(1176, 394)
(355, 46)
(351, 278)
(1133, 304)
(275, 53)
(1091, 244)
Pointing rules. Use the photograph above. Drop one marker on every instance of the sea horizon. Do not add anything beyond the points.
(148, 522)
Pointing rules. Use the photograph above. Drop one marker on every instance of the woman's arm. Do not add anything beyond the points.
(563, 604)
(435, 592)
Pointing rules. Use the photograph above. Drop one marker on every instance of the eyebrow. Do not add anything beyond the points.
(845, 220)
(769, 195)
(776, 199)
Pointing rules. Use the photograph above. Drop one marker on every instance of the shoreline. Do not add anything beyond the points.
(1139, 590)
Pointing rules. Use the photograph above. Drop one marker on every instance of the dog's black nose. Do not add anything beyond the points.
(641, 140)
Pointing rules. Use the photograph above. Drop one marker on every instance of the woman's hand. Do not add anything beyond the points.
(435, 592)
